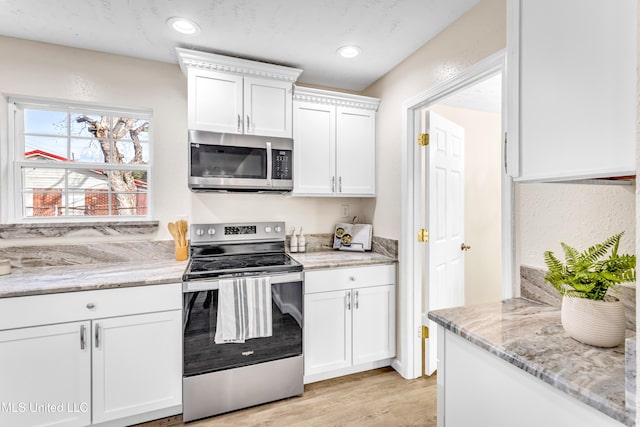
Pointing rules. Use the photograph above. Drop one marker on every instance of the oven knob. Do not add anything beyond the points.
(267, 229)
(211, 231)
(199, 231)
(278, 229)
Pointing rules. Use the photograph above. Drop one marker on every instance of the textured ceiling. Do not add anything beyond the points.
(483, 96)
(300, 33)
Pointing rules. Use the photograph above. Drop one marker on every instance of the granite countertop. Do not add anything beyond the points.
(530, 336)
(48, 280)
(81, 277)
(337, 258)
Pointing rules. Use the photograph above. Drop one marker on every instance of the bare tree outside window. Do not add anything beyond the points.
(111, 133)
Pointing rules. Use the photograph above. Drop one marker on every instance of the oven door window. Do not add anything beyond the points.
(203, 355)
(218, 161)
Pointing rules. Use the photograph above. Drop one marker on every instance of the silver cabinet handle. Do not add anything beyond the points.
(339, 184)
(239, 124)
(248, 124)
(348, 299)
(97, 335)
(355, 302)
(83, 330)
(333, 184)
(91, 306)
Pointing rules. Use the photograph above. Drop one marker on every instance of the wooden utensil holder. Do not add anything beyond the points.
(182, 253)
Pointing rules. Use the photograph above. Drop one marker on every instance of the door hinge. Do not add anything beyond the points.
(423, 235)
(423, 139)
(425, 332)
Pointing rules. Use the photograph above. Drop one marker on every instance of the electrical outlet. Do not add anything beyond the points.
(344, 211)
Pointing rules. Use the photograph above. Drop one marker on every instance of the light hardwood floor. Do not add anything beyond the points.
(380, 397)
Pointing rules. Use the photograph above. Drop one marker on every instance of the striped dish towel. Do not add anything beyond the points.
(244, 310)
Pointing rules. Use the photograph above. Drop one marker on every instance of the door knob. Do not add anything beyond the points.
(464, 247)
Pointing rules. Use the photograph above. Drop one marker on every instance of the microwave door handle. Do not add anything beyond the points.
(269, 163)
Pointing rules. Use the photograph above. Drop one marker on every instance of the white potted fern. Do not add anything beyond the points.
(588, 314)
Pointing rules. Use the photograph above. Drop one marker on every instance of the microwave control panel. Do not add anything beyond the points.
(282, 164)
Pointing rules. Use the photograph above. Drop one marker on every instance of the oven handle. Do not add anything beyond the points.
(210, 285)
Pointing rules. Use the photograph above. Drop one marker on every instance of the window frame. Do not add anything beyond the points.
(15, 212)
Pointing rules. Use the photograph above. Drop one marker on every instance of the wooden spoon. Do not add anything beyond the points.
(173, 229)
(182, 231)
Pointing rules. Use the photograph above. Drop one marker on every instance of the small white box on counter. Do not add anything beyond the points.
(353, 237)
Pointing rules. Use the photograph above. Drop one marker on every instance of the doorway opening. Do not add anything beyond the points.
(472, 225)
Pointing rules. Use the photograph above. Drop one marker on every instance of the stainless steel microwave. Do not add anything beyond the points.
(228, 162)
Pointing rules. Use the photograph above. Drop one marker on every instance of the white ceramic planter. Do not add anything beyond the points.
(597, 323)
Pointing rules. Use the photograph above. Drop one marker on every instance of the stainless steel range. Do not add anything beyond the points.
(243, 314)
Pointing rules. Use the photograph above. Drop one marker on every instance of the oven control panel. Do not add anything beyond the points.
(236, 232)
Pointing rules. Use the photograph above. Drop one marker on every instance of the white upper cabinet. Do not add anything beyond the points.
(232, 95)
(215, 101)
(356, 151)
(334, 144)
(268, 108)
(571, 74)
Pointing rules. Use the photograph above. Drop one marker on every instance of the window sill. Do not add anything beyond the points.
(58, 229)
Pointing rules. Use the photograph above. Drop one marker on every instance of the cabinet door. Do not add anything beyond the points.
(45, 374)
(268, 107)
(374, 333)
(355, 151)
(137, 364)
(315, 145)
(327, 331)
(215, 101)
(571, 88)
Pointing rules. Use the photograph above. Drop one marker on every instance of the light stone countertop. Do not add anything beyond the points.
(530, 336)
(337, 258)
(48, 280)
(70, 278)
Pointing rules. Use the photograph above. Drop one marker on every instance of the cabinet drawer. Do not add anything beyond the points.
(349, 278)
(20, 312)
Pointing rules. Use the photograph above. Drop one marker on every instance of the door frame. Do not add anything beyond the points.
(410, 295)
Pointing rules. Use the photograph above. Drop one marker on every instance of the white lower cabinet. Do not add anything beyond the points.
(478, 388)
(44, 373)
(115, 368)
(134, 364)
(349, 320)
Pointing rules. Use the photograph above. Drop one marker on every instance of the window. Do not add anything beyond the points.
(79, 162)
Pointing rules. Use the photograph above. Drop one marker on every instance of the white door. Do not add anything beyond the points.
(215, 101)
(355, 151)
(443, 191)
(374, 315)
(268, 107)
(45, 376)
(315, 148)
(327, 331)
(137, 364)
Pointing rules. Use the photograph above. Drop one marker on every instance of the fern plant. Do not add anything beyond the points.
(589, 274)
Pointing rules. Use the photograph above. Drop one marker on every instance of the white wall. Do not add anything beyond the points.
(49, 71)
(473, 37)
(579, 215)
(482, 201)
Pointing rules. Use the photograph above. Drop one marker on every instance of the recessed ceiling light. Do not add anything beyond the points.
(350, 51)
(183, 25)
